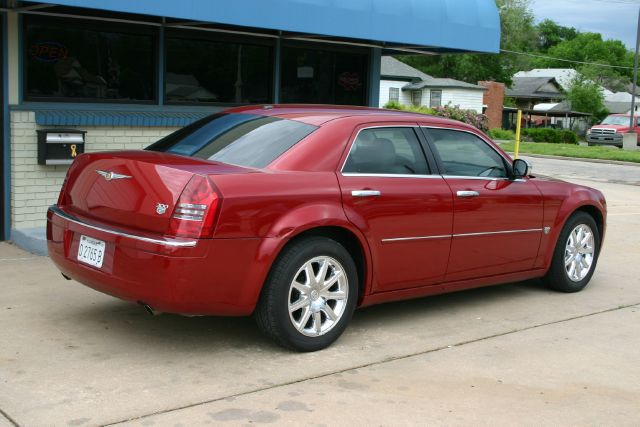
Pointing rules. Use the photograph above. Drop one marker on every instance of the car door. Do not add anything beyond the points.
(405, 211)
(497, 221)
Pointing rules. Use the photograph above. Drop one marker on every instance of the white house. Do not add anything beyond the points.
(404, 84)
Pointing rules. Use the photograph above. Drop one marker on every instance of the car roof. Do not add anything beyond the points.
(319, 114)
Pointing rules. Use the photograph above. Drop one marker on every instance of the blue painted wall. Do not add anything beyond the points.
(470, 25)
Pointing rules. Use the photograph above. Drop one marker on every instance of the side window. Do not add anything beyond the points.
(464, 154)
(392, 150)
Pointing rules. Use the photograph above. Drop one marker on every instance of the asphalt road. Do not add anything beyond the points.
(592, 171)
(508, 355)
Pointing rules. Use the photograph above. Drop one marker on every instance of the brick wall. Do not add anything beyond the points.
(35, 187)
(494, 100)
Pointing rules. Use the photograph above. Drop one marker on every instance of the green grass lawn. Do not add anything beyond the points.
(570, 150)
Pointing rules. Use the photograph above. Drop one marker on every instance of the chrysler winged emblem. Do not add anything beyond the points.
(161, 208)
(108, 175)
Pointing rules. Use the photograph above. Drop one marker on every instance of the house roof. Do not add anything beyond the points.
(618, 107)
(559, 107)
(391, 67)
(394, 69)
(435, 82)
(564, 76)
(535, 87)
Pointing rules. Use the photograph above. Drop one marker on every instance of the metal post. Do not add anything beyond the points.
(635, 78)
(518, 125)
(630, 139)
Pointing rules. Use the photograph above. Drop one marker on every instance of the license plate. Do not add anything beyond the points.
(91, 251)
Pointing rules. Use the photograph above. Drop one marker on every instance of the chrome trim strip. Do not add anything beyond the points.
(447, 236)
(475, 178)
(391, 175)
(170, 243)
(488, 233)
(404, 239)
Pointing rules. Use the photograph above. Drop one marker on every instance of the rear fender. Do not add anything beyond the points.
(304, 219)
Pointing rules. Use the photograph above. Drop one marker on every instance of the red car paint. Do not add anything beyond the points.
(301, 191)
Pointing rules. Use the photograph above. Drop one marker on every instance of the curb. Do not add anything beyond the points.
(580, 159)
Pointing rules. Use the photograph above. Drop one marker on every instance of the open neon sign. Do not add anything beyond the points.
(48, 51)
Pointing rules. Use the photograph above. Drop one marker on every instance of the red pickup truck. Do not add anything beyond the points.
(611, 130)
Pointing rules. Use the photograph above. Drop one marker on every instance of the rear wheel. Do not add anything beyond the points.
(309, 296)
(576, 254)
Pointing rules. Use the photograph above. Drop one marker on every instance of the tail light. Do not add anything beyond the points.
(196, 211)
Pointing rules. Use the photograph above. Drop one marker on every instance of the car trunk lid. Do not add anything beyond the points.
(134, 189)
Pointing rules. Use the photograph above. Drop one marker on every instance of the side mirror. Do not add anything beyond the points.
(521, 168)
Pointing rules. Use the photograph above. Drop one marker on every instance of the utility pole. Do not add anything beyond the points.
(635, 74)
(630, 142)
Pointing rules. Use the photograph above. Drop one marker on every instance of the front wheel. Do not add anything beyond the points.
(309, 296)
(576, 254)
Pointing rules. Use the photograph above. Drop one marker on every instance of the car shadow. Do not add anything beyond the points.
(129, 322)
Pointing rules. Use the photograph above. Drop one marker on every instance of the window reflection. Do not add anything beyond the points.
(317, 76)
(217, 72)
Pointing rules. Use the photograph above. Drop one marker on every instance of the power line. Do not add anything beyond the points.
(565, 60)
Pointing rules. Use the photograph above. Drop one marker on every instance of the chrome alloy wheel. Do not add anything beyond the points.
(579, 252)
(318, 296)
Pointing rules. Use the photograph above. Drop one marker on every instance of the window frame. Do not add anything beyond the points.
(432, 165)
(431, 92)
(396, 96)
(84, 24)
(415, 93)
(440, 167)
(216, 37)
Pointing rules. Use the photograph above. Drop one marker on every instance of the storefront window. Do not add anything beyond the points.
(200, 70)
(74, 61)
(323, 77)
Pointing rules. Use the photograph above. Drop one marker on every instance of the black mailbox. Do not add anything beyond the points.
(59, 147)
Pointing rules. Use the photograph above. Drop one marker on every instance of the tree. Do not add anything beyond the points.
(589, 47)
(518, 34)
(551, 34)
(586, 97)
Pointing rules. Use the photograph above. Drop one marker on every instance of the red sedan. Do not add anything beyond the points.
(299, 214)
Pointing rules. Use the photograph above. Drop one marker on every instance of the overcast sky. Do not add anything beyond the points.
(614, 19)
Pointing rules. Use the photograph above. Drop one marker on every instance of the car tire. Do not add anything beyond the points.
(571, 257)
(303, 307)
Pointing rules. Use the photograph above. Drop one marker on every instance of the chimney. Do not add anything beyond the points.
(493, 99)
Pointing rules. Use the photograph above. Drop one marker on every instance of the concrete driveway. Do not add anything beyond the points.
(516, 354)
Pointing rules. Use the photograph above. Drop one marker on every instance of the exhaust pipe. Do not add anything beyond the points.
(149, 310)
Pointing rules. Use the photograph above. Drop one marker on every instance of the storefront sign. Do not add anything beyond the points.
(48, 51)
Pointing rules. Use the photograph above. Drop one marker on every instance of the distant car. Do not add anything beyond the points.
(612, 129)
(299, 214)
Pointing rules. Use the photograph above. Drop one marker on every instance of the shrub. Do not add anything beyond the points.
(393, 105)
(503, 134)
(554, 136)
(480, 121)
(569, 137)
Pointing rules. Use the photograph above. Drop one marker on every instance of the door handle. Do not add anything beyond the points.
(365, 193)
(467, 194)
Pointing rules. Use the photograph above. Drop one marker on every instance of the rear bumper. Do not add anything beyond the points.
(194, 277)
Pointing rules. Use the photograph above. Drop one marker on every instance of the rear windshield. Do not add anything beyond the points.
(240, 139)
